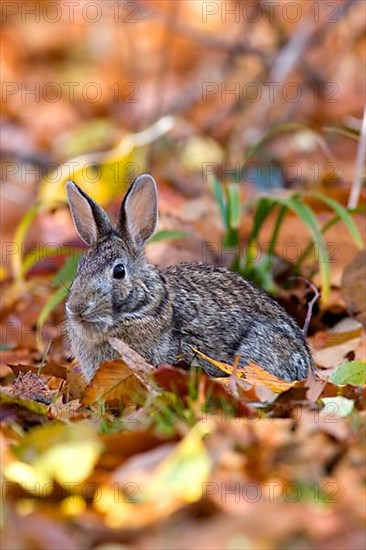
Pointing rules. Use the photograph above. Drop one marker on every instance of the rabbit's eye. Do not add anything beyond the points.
(119, 271)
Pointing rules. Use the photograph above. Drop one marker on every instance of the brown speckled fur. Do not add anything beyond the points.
(162, 314)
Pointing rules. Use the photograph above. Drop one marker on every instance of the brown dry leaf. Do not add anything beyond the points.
(355, 393)
(19, 356)
(51, 368)
(28, 528)
(315, 385)
(325, 421)
(252, 373)
(141, 369)
(353, 287)
(70, 411)
(343, 338)
(246, 391)
(123, 445)
(75, 381)
(251, 383)
(5, 371)
(125, 379)
(114, 380)
(32, 386)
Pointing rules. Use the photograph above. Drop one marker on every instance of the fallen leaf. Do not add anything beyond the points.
(141, 369)
(342, 338)
(341, 405)
(175, 481)
(219, 364)
(23, 411)
(353, 287)
(65, 453)
(256, 375)
(349, 372)
(315, 385)
(178, 381)
(32, 386)
(113, 381)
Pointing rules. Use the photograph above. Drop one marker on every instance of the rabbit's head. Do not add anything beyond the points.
(113, 281)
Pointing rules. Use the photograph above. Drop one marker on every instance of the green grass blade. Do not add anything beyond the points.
(233, 205)
(272, 245)
(57, 297)
(19, 239)
(309, 248)
(63, 279)
(168, 235)
(279, 128)
(344, 215)
(220, 198)
(264, 208)
(304, 212)
(36, 256)
(67, 272)
(347, 132)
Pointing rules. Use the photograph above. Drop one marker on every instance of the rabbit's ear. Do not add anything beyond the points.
(91, 222)
(138, 214)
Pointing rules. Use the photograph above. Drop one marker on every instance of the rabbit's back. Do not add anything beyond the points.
(222, 315)
(117, 294)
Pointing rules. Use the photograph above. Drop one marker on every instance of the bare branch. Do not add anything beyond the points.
(310, 304)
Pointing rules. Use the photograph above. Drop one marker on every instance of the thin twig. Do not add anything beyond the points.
(286, 61)
(218, 43)
(310, 304)
(360, 163)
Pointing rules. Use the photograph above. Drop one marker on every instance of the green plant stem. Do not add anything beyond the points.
(276, 230)
(35, 256)
(19, 237)
(310, 246)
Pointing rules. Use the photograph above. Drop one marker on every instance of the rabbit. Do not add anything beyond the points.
(163, 314)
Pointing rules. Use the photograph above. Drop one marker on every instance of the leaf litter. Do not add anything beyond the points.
(167, 457)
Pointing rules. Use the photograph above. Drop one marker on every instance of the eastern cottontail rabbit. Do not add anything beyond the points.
(162, 314)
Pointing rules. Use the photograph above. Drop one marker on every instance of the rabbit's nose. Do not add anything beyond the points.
(81, 310)
(75, 311)
(68, 309)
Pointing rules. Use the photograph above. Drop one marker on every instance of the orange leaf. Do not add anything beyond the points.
(115, 380)
(256, 375)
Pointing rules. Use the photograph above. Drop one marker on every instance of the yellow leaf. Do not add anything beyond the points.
(256, 375)
(175, 482)
(252, 373)
(65, 453)
(103, 174)
(3, 273)
(199, 150)
(185, 469)
(220, 365)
